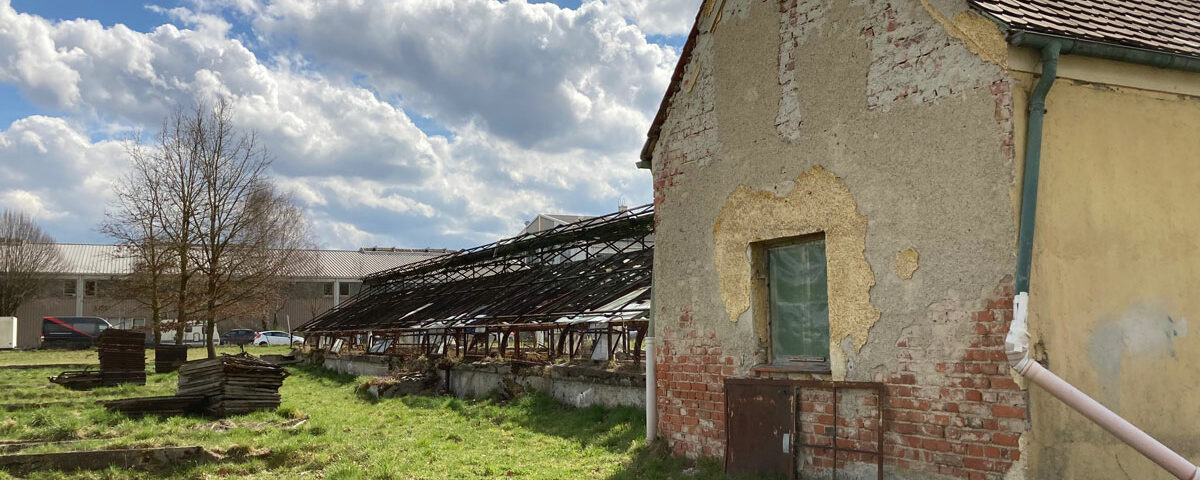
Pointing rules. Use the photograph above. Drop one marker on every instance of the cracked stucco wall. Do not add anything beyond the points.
(787, 94)
(924, 174)
(817, 201)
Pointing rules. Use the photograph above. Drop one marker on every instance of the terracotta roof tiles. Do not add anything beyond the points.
(1164, 25)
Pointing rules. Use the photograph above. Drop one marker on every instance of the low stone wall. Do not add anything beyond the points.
(363, 365)
(573, 385)
(579, 386)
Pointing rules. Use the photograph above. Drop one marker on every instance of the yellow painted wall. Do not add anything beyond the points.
(1116, 274)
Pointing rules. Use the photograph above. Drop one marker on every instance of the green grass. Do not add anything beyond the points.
(55, 356)
(349, 436)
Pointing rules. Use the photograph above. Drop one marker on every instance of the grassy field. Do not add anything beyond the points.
(46, 357)
(325, 428)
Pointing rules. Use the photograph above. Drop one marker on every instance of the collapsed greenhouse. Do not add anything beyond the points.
(577, 291)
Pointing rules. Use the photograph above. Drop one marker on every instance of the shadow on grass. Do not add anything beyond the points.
(616, 430)
(656, 461)
(612, 429)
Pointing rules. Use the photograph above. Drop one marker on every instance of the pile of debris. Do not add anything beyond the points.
(122, 357)
(399, 384)
(226, 385)
(168, 358)
(122, 360)
(233, 384)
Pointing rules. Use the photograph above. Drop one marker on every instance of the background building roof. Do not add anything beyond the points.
(84, 259)
(546, 221)
(1164, 25)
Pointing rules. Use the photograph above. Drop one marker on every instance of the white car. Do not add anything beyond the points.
(276, 337)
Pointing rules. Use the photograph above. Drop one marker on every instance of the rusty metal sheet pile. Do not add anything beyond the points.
(168, 358)
(122, 357)
(232, 384)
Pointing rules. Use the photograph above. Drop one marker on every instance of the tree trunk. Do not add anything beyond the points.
(209, 329)
(210, 322)
(156, 325)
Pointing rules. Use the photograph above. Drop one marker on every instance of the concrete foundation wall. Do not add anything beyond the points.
(578, 387)
(572, 385)
(362, 365)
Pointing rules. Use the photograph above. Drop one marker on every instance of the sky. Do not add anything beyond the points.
(406, 123)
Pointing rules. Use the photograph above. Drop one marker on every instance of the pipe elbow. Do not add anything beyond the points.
(1016, 343)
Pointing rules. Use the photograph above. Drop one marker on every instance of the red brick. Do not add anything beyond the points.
(1007, 411)
(1005, 439)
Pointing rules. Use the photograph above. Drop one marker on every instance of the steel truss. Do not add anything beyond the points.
(532, 298)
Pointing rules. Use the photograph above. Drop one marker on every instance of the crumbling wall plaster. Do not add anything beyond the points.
(817, 202)
(907, 263)
(931, 175)
(909, 60)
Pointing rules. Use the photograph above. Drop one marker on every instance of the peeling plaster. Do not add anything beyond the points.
(818, 202)
(1020, 468)
(981, 36)
(906, 263)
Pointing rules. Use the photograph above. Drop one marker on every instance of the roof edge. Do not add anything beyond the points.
(672, 88)
(1109, 51)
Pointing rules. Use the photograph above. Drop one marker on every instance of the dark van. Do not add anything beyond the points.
(72, 332)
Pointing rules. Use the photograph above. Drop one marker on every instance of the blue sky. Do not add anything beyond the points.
(441, 123)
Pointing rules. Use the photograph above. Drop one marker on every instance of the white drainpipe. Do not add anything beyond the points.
(1016, 345)
(651, 403)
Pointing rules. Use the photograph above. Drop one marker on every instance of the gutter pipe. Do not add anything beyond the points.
(1033, 160)
(1120, 53)
(1016, 343)
(651, 377)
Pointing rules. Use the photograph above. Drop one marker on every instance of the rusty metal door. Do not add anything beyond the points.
(760, 428)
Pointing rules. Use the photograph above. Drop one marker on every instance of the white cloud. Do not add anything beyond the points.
(547, 109)
(662, 17)
(544, 77)
(57, 175)
(30, 204)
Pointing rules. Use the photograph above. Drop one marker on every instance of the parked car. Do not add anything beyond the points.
(193, 335)
(276, 337)
(238, 336)
(72, 332)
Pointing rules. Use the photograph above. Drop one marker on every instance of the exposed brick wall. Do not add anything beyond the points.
(963, 421)
(691, 396)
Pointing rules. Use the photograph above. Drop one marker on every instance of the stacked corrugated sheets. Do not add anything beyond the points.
(232, 384)
(122, 357)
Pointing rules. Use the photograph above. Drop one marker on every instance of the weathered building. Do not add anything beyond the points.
(84, 286)
(839, 190)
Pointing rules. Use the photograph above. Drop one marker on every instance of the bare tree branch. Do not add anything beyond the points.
(201, 211)
(28, 259)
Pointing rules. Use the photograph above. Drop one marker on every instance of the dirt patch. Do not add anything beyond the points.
(225, 425)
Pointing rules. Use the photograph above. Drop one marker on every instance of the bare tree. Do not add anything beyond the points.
(252, 236)
(28, 258)
(226, 235)
(137, 220)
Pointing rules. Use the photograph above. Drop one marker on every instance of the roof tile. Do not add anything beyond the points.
(1165, 25)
